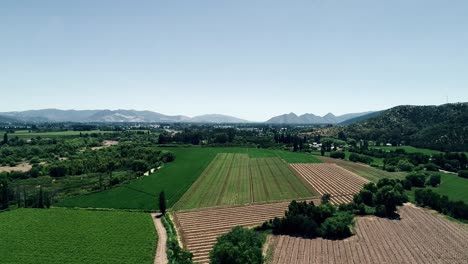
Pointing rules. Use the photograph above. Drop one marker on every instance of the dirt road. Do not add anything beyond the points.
(161, 257)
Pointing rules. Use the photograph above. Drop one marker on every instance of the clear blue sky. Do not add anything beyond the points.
(247, 58)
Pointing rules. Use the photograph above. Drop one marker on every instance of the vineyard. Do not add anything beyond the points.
(76, 236)
(237, 179)
(332, 179)
(419, 237)
(199, 229)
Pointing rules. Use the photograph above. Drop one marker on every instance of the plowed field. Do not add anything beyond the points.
(329, 178)
(199, 229)
(420, 237)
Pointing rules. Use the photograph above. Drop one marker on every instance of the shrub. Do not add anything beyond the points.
(337, 226)
(337, 155)
(404, 165)
(431, 167)
(239, 246)
(417, 179)
(463, 173)
(434, 180)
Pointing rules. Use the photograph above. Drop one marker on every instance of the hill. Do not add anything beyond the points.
(360, 118)
(443, 127)
(329, 118)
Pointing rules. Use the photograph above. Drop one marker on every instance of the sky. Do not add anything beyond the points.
(247, 58)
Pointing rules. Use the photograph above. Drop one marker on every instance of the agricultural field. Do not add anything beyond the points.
(199, 229)
(452, 185)
(76, 236)
(332, 179)
(410, 149)
(27, 134)
(174, 178)
(368, 172)
(236, 179)
(421, 236)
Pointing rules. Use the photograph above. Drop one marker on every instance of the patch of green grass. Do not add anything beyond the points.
(451, 185)
(76, 236)
(235, 179)
(410, 149)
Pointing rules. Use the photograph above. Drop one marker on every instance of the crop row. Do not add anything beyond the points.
(419, 237)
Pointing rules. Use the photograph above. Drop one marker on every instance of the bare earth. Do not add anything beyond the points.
(421, 236)
(329, 178)
(161, 256)
(106, 143)
(199, 229)
(24, 167)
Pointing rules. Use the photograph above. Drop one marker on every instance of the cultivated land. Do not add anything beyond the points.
(329, 178)
(27, 134)
(76, 236)
(175, 178)
(420, 236)
(368, 172)
(236, 179)
(410, 149)
(199, 229)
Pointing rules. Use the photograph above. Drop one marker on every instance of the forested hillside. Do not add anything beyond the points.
(442, 127)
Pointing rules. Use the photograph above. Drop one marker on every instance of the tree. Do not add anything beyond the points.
(162, 202)
(434, 180)
(239, 246)
(5, 139)
(4, 195)
(325, 198)
(337, 226)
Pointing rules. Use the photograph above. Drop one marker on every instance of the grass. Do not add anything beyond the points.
(368, 172)
(76, 236)
(173, 178)
(451, 185)
(237, 178)
(410, 149)
(27, 134)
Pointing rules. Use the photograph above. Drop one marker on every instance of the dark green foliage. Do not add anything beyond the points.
(306, 220)
(427, 197)
(433, 127)
(4, 195)
(325, 198)
(434, 180)
(360, 158)
(337, 155)
(162, 203)
(5, 139)
(381, 198)
(417, 179)
(431, 167)
(337, 226)
(239, 246)
(463, 173)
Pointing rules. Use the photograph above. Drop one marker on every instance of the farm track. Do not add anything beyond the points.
(340, 183)
(200, 229)
(421, 236)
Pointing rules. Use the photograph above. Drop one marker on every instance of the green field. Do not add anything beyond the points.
(456, 188)
(410, 149)
(27, 134)
(235, 179)
(76, 236)
(174, 178)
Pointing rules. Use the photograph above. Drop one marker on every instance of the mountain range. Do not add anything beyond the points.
(57, 115)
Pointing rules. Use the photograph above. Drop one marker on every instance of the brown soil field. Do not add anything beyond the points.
(199, 229)
(366, 171)
(20, 167)
(421, 236)
(330, 178)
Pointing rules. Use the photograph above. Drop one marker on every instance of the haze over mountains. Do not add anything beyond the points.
(57, 115)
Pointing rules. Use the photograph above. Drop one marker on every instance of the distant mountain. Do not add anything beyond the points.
(56, 115)
(8, 120)
(443, 127)
(329, 118)
(360, 118)
(216, 118)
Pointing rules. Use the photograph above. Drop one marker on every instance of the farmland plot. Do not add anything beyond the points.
(329, 178)
(199, 229)
(419, 237)
(236, 179)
